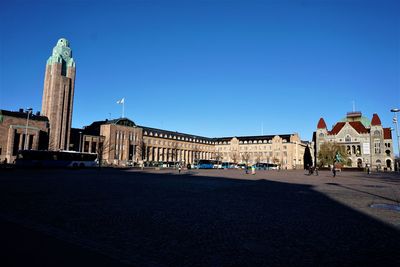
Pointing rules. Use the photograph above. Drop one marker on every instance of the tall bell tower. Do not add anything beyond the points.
(58, 94)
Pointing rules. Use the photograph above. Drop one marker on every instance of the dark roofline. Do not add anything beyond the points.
(145, 128)
(254, 137)
(218, 139)
(97, 124)
(23, 115)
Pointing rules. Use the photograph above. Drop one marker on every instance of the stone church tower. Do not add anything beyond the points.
(58, 94)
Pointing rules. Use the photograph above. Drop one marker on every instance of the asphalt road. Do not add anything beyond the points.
(198, 218)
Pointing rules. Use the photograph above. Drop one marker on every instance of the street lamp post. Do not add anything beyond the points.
(396, 122)
(80, 141)
(28, 110)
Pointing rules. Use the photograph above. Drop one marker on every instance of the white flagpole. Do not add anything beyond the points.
(123, 109)
(122, 101)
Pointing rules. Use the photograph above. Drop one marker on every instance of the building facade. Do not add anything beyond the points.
(21, 130)
(121, 142)
(366, 142)
(286, 150)
(58, 95)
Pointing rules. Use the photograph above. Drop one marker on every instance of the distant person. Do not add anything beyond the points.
(253, 170)
(316, 170)
(179, 168)
(246, 170)
(334, 171)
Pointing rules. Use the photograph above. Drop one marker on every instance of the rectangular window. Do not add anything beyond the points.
(94, 144)
(16, 143)
(30, 142)
(377, 147)
(86, 146)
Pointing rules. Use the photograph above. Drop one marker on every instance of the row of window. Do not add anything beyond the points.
(260, 154)
(249, 142)
(188, 139)
(277, 148)
(196, 140)
(121, 135)
(174, 144)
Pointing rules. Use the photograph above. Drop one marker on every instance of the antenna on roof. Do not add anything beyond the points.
(354, 106)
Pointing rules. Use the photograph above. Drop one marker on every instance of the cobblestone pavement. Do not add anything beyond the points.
(204, 217)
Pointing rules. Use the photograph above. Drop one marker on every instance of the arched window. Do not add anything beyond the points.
(359, 163)
(389, 163)
(349, 163)
(377, 133)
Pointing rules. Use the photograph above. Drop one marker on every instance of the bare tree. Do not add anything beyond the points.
(141, 148)
(218, 156)
(275, 160)
(104, 148)
(196, 154)
(246, 157)
(174, 151)
(258, 157)
(234, 156)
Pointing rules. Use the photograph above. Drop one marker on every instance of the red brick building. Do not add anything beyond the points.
(21, 130)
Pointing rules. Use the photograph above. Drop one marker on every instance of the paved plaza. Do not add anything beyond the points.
(126, 217)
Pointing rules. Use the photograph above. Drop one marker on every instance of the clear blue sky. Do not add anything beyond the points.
(211, 68)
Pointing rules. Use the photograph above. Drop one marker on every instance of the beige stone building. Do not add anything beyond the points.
(285, 150)
(366, 141)
(21, 130)
(121, 142)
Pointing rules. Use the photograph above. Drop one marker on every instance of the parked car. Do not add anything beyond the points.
(241, 166)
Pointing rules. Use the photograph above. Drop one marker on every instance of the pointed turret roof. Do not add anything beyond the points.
(387, 133)
(376, 120)
(321, 124)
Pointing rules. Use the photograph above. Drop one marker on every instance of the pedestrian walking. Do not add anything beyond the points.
(334, 171)
(316, 170)
(246, 170)
(179, 168)
(253, 170)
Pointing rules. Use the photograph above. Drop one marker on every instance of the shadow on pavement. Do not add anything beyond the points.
(148, 219)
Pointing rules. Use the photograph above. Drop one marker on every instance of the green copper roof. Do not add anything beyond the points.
(364, 120)
(62, 53)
